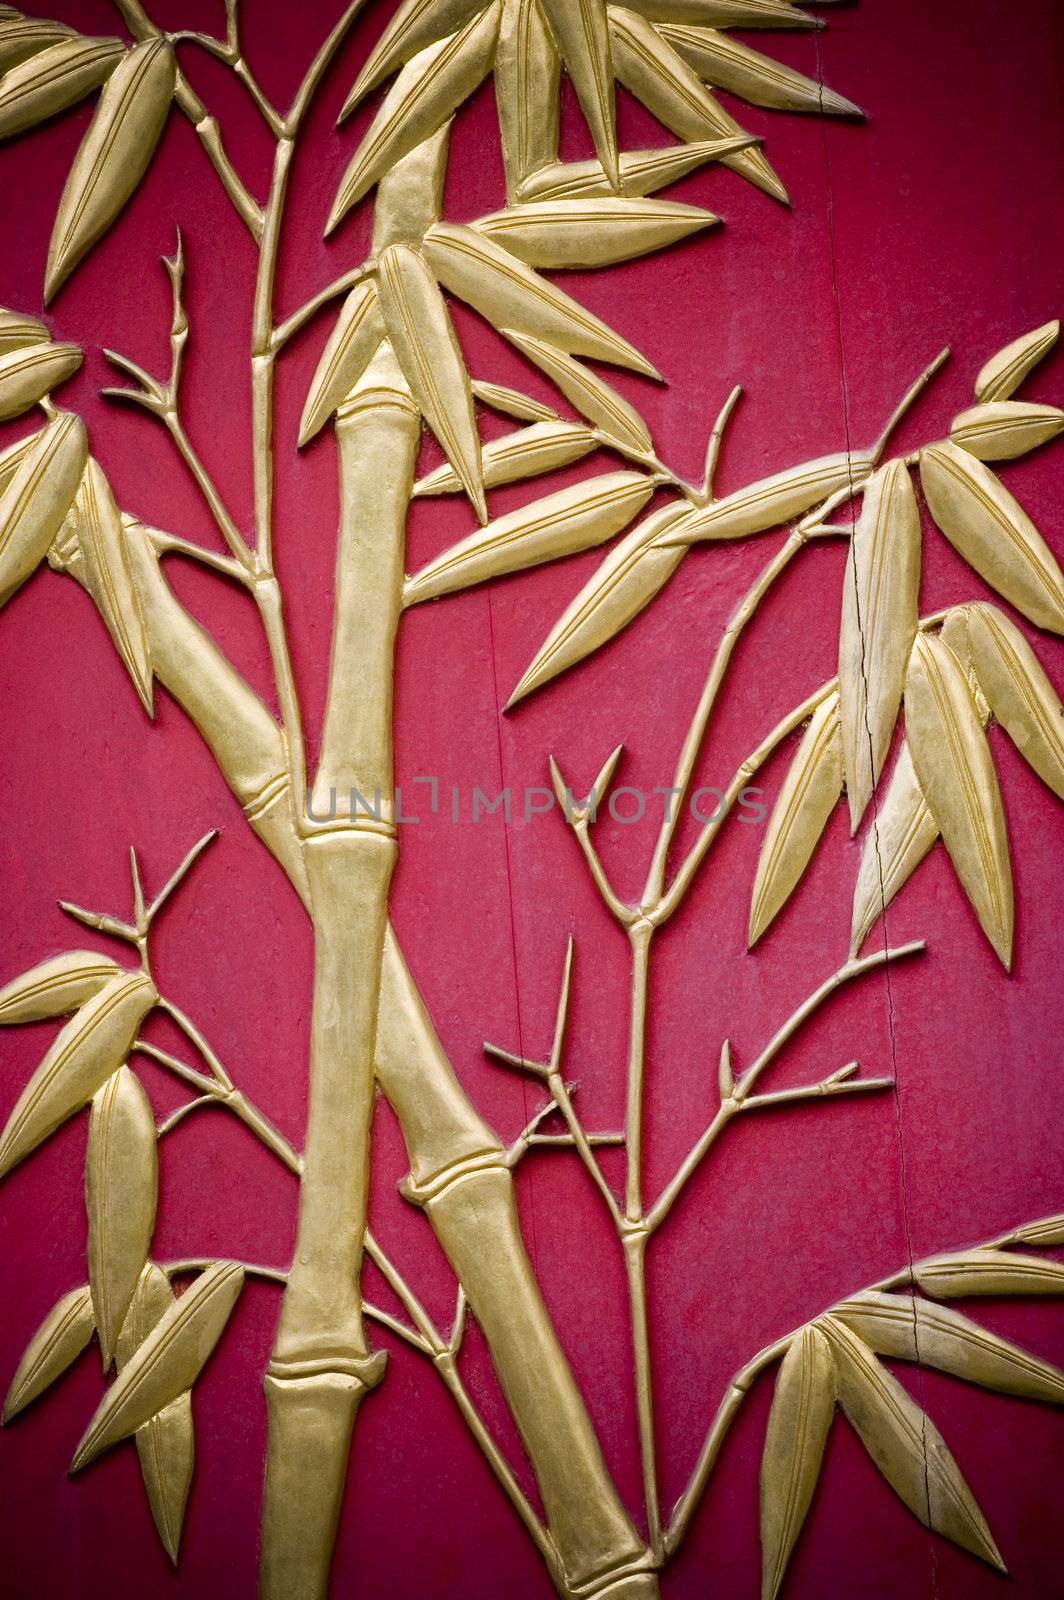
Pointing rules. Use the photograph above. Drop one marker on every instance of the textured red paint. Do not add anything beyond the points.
(939, 221)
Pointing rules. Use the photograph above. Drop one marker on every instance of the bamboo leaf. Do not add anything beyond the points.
(810, 792)
(415, 25)
(114, 155)
(915, 1330)
(57, 986)
(752, 76)
(636, 570)
(423, 97)
(906, 1446)
(356, 335)
(588, 393)
(121, 1196)
(650, 69)
(988, 1272)
(576, 518)
(38, 498)
(543, 447)
(1004, 372)
(30, 372)
(108, 576)
(642, 171)
(427, 350)
(782, 14)
(527, 82)
(591, 233)
(17, 331)
(167, 1363)
(512, 403)
(953, 763)
(93, 1044)
(510, 295)
(880, 611)
(1019, 694)
(900, 835)
(803, 1407)
(51, 80)
(58, 1342)
(772, 501)
(410, 194)
(582, 35)
(22, 37)
(166, 1442)
(1048, 1232)
(1005, 429)
(993, 533)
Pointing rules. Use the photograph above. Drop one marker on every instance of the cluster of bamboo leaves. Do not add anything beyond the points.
(157, 1342)
(973, 664)
(834, 1361)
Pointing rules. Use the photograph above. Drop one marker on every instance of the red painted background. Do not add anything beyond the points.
(940, 220)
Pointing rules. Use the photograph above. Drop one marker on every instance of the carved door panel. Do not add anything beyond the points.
(660, 770)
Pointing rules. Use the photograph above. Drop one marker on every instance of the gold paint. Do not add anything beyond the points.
(391, 363)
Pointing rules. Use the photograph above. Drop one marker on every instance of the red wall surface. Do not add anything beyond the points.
(938, 221)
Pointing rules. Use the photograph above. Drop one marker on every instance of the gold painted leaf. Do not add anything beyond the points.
(53, 79)
(426, 347)
(543, 447)
(954, 632)
(752, 76)
(1018, 692)
(30, 372)
(108, 576)
(121, 1196)
(809, 794)
(1046, 1232)
(423, 97)
(916, 1330)
(899, 836)
(93, 1044)
(1005, 429)
(989, 1272)
(59, 1340)
(57, 986)
(642, 171)
(17, 330)
(166, 1442)
(803, 1407)
(772, 501)
(588, 393)
(582, 35)
(993, 533)
(511, 402)
(1004, 372)
(880, 611)
(906, 1446)
(415, 25)
(114, 155)
(576, 518)
(356, 334)
(22, 37)
(527, 81)
(628, 579)
(591, 233)
(782, 14)
(956, 772)
(510, 295)
(38, 497)
(167, 1363)
(650, 69)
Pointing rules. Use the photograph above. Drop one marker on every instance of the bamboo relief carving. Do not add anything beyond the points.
(392, 365)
